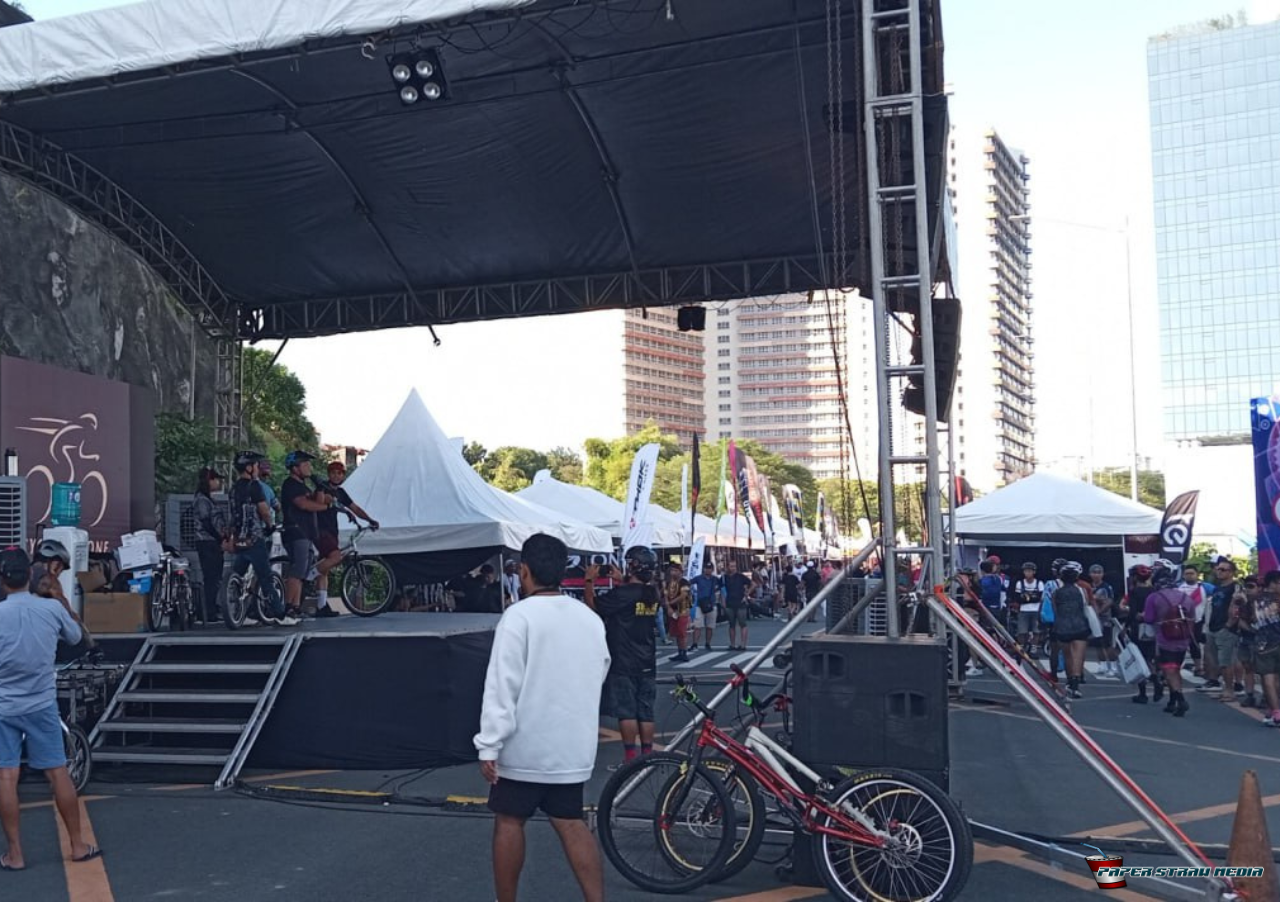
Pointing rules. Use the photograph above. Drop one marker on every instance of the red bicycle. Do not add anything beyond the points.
(881, 835)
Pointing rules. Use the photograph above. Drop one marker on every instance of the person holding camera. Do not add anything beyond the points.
(30, 629)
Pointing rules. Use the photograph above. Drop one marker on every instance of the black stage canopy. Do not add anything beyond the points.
(584, 155)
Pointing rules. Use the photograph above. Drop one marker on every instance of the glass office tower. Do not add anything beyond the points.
(1215, 146)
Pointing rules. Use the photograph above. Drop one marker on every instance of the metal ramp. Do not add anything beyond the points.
(195, 700)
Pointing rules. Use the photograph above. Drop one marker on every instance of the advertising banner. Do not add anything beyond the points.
(1266, 477)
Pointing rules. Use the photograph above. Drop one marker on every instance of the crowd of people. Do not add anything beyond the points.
(1225, 633)
(305, 512)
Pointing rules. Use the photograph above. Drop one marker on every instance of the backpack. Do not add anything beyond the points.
(246, 522)
(1176, 629)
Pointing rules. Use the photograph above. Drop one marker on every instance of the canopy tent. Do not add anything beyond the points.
(429, 500)
(580, 155)
(1049, 510)
(590, 506)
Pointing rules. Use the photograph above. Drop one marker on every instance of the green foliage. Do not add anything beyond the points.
(183, 446)
(565, 465)
(510, 468)
(275, 407)
(609, 463)
(1203, 554)
(474, 453)
(1117, 479)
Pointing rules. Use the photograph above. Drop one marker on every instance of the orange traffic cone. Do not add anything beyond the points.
(1251, 845)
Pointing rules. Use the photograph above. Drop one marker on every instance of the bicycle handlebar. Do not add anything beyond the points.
(686, 692)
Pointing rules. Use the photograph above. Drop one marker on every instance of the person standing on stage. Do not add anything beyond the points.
(30, 630)
(629, 612)
(211, 540)
(539, 725)
(301, 532)
(327, 533)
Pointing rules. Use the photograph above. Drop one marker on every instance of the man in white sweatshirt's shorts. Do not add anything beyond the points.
(539, 725)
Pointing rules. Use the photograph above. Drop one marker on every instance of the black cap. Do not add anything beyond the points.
(15, 567)
(1224, 560)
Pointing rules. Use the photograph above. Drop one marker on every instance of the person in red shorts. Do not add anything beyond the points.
(327, 544)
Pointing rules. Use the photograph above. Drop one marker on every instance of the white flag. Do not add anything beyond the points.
(696, 555)
(635, 509)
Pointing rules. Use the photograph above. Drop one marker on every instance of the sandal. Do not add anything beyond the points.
(93, 852)
(5, 865)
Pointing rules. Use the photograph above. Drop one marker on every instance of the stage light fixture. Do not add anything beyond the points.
(418, 76)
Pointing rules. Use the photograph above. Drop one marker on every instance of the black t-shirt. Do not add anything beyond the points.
(466, 593)
(327, 521)
(630, 616)
(1220, 604)
(246, 521)
(812, 582)
(298, 524)
(791, 586)
(1137, 607)
(735, 588)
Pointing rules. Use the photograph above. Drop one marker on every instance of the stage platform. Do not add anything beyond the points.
(400, 690)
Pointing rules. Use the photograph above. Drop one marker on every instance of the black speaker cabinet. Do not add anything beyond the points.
(868, 702)
(691, 318)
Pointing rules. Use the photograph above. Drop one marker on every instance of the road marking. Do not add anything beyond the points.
(465, 799)
(1004, 854)
(87, 881)
(34, 804)
(785, 894)
(294, 774)
(1187, 816)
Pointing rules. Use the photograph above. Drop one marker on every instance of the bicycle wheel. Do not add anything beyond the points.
(929, 851)
(79, 756)
(237, 605)
(367, 585)
(157, 605)
(672, 832)
(180, 595)
(749, 812)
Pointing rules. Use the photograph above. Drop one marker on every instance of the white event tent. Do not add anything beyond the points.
(427, 498)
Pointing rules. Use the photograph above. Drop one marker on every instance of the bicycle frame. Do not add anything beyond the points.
(763, 760)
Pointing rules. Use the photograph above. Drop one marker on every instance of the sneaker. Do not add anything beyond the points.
(679, 657)
(1237, 687)
(975, 672)
(1075, 694)
(1211, 687)
(288, 621)
(326, 612)
(1138, 698)
(1250, 701)
(1272, 721)
(694, 648)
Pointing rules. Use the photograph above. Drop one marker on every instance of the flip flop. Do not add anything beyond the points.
(4, 865)
(93, 852)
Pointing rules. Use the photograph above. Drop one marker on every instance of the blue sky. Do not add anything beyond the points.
(1064, 83)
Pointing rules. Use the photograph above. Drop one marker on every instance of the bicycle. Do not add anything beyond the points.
(367, 582)
(878, 835)
(74, 739)
(171, 595)
(245, 598)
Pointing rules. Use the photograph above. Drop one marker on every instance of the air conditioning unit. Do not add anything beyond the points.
(13, 511)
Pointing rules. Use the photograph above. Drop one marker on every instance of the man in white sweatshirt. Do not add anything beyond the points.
(541, 719)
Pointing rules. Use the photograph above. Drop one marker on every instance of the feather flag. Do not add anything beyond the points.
(720, 499)
(635, 510)
(695, 488)
(821, 516)
(733, 478)
(754, 498)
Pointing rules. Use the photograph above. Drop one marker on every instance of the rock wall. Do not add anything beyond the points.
(73, 296)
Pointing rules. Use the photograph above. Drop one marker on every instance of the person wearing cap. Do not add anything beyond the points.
(1027, 593)
(327, 526)
(1220, 641)
(211, 536)
(301, 534)
(30, 629)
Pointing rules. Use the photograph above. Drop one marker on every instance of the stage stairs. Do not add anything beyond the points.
(195, 699)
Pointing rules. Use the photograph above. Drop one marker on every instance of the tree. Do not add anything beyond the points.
(474, 454)
(1117, 479)
(609, 462)
(275, 406)
(565, 465)
(511, 468)
(183, 446)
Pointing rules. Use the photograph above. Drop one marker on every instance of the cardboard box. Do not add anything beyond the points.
(115, 613)
(92, 580)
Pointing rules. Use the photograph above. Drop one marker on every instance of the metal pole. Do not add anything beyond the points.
(787, 631)
(1061, 723)
(1133, 380)
(868, 597)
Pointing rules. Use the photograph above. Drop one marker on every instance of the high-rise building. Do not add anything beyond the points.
(993, 413)
(1215, 153)
(663, 373)
(771, 377)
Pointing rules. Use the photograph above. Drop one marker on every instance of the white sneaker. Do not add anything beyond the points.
(975, 672)
(287, 621)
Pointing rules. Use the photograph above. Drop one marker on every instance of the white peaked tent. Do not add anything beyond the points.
(428, 498)
(595, 508)
(1048, 509)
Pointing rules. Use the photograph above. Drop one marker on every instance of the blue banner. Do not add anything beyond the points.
(1266, 474)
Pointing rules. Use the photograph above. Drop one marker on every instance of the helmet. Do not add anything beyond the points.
(641, 562)
(1057, 564)
(50, 549)
(1165, 574)
(294, 458)
(1070, 571)
(1029, 566)
(246, 459)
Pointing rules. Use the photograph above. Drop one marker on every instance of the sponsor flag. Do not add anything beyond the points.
(1175, 527)
(635, 510)
(821, 516)
(1266, 478)
(720, 499)
(733, 479)
(696, 556)
(695, 487)
(754, 498)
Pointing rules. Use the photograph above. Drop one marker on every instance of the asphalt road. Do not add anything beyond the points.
(181, 841)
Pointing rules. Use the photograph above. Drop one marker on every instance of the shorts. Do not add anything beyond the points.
(301, 559)
(632, 696)
(1267, 662)
(1170, 658)
(737, 614)
(523, 799)
(1246, 649)
(1224, 644)
(1028, 622)
(43, 731)
(679, 627)
(327, 544)
(706, 617)
(1147, 648)
(1072, 638)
